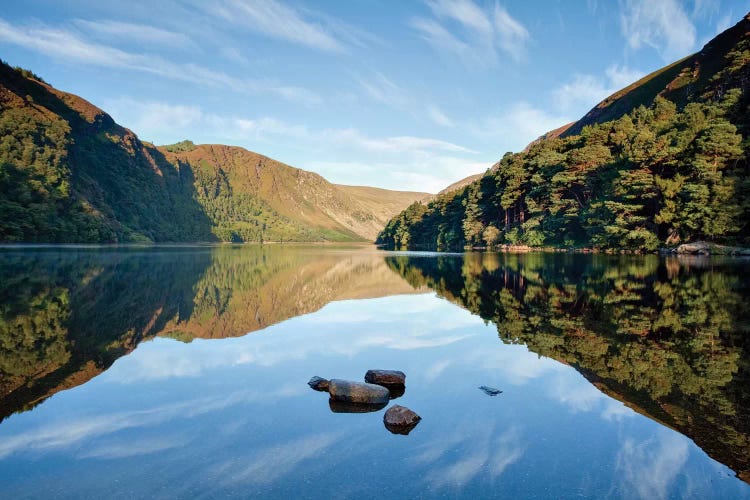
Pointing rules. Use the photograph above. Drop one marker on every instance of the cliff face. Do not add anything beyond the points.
(69, 173)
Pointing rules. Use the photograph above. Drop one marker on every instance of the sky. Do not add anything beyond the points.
(408, 95)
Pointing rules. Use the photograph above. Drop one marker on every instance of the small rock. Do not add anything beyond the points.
(385, 377)
(400, 420)
(490, 391)
(319, 384)
(346, 407)
(357, 392)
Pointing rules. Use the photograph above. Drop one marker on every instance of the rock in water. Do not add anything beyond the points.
(490, 391)
(319, 384)
(385, 377)
(357, 392)
(400, 420)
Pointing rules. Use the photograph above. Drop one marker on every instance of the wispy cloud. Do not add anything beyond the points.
(436, 115)
(663, 25)
(68, 46)
(383, 90)
(283, 22)
(479, 34)
(139, 33)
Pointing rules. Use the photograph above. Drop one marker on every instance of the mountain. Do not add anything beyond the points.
(719, 66)
(69, 173)
(660, 162)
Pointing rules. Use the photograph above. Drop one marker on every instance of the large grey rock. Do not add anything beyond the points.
(357, 392)
(385, 377)
(400, 420)
(319, 384)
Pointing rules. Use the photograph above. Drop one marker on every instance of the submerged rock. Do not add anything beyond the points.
(319, 384)
(400, 420)
(385, 377)
(490, 391)
(357, 392)
(347, 407)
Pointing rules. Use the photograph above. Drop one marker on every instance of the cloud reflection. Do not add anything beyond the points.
(648, 469)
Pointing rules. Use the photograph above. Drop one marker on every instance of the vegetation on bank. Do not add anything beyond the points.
(656, 176)
(70, 174)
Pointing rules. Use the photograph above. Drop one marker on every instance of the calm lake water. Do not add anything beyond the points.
(182, 372)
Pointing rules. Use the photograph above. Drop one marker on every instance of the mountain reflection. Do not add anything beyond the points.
(668, 337)
(67, 315)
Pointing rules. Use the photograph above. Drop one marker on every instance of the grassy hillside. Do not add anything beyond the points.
(69, 173)
(673, 171)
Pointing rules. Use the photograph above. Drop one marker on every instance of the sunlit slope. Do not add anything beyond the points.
(69, 173)
(695, 77)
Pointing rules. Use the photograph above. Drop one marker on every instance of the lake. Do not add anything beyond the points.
(182, 372)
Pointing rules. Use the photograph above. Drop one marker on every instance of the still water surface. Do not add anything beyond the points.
(181, 372)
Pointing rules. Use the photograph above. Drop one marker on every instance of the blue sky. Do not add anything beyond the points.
(398, 94)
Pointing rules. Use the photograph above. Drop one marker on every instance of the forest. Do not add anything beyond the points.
(664, 173)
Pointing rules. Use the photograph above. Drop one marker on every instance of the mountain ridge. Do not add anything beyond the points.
(70, 173)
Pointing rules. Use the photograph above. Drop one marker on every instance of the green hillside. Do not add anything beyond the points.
(634, 175)
(69, 173)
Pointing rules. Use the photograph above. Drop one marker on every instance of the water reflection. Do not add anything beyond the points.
(667, 339)
(67, 315)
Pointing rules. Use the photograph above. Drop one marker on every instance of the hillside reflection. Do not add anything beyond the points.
(670, 338)
(67, 315)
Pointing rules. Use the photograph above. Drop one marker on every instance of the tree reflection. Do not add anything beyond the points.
(669, 337)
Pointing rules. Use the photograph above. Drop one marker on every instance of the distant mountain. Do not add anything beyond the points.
(660, 162)
(69, 173)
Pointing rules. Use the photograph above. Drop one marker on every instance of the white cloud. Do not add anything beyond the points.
(283, 22)
(436, 115)
(69, 46)
(663, 25)
(518, 125)
(140, 33)
(512, 35)
(649, 468)
(479, 35)
(383, 90)
(585, 91)
(394, 162)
